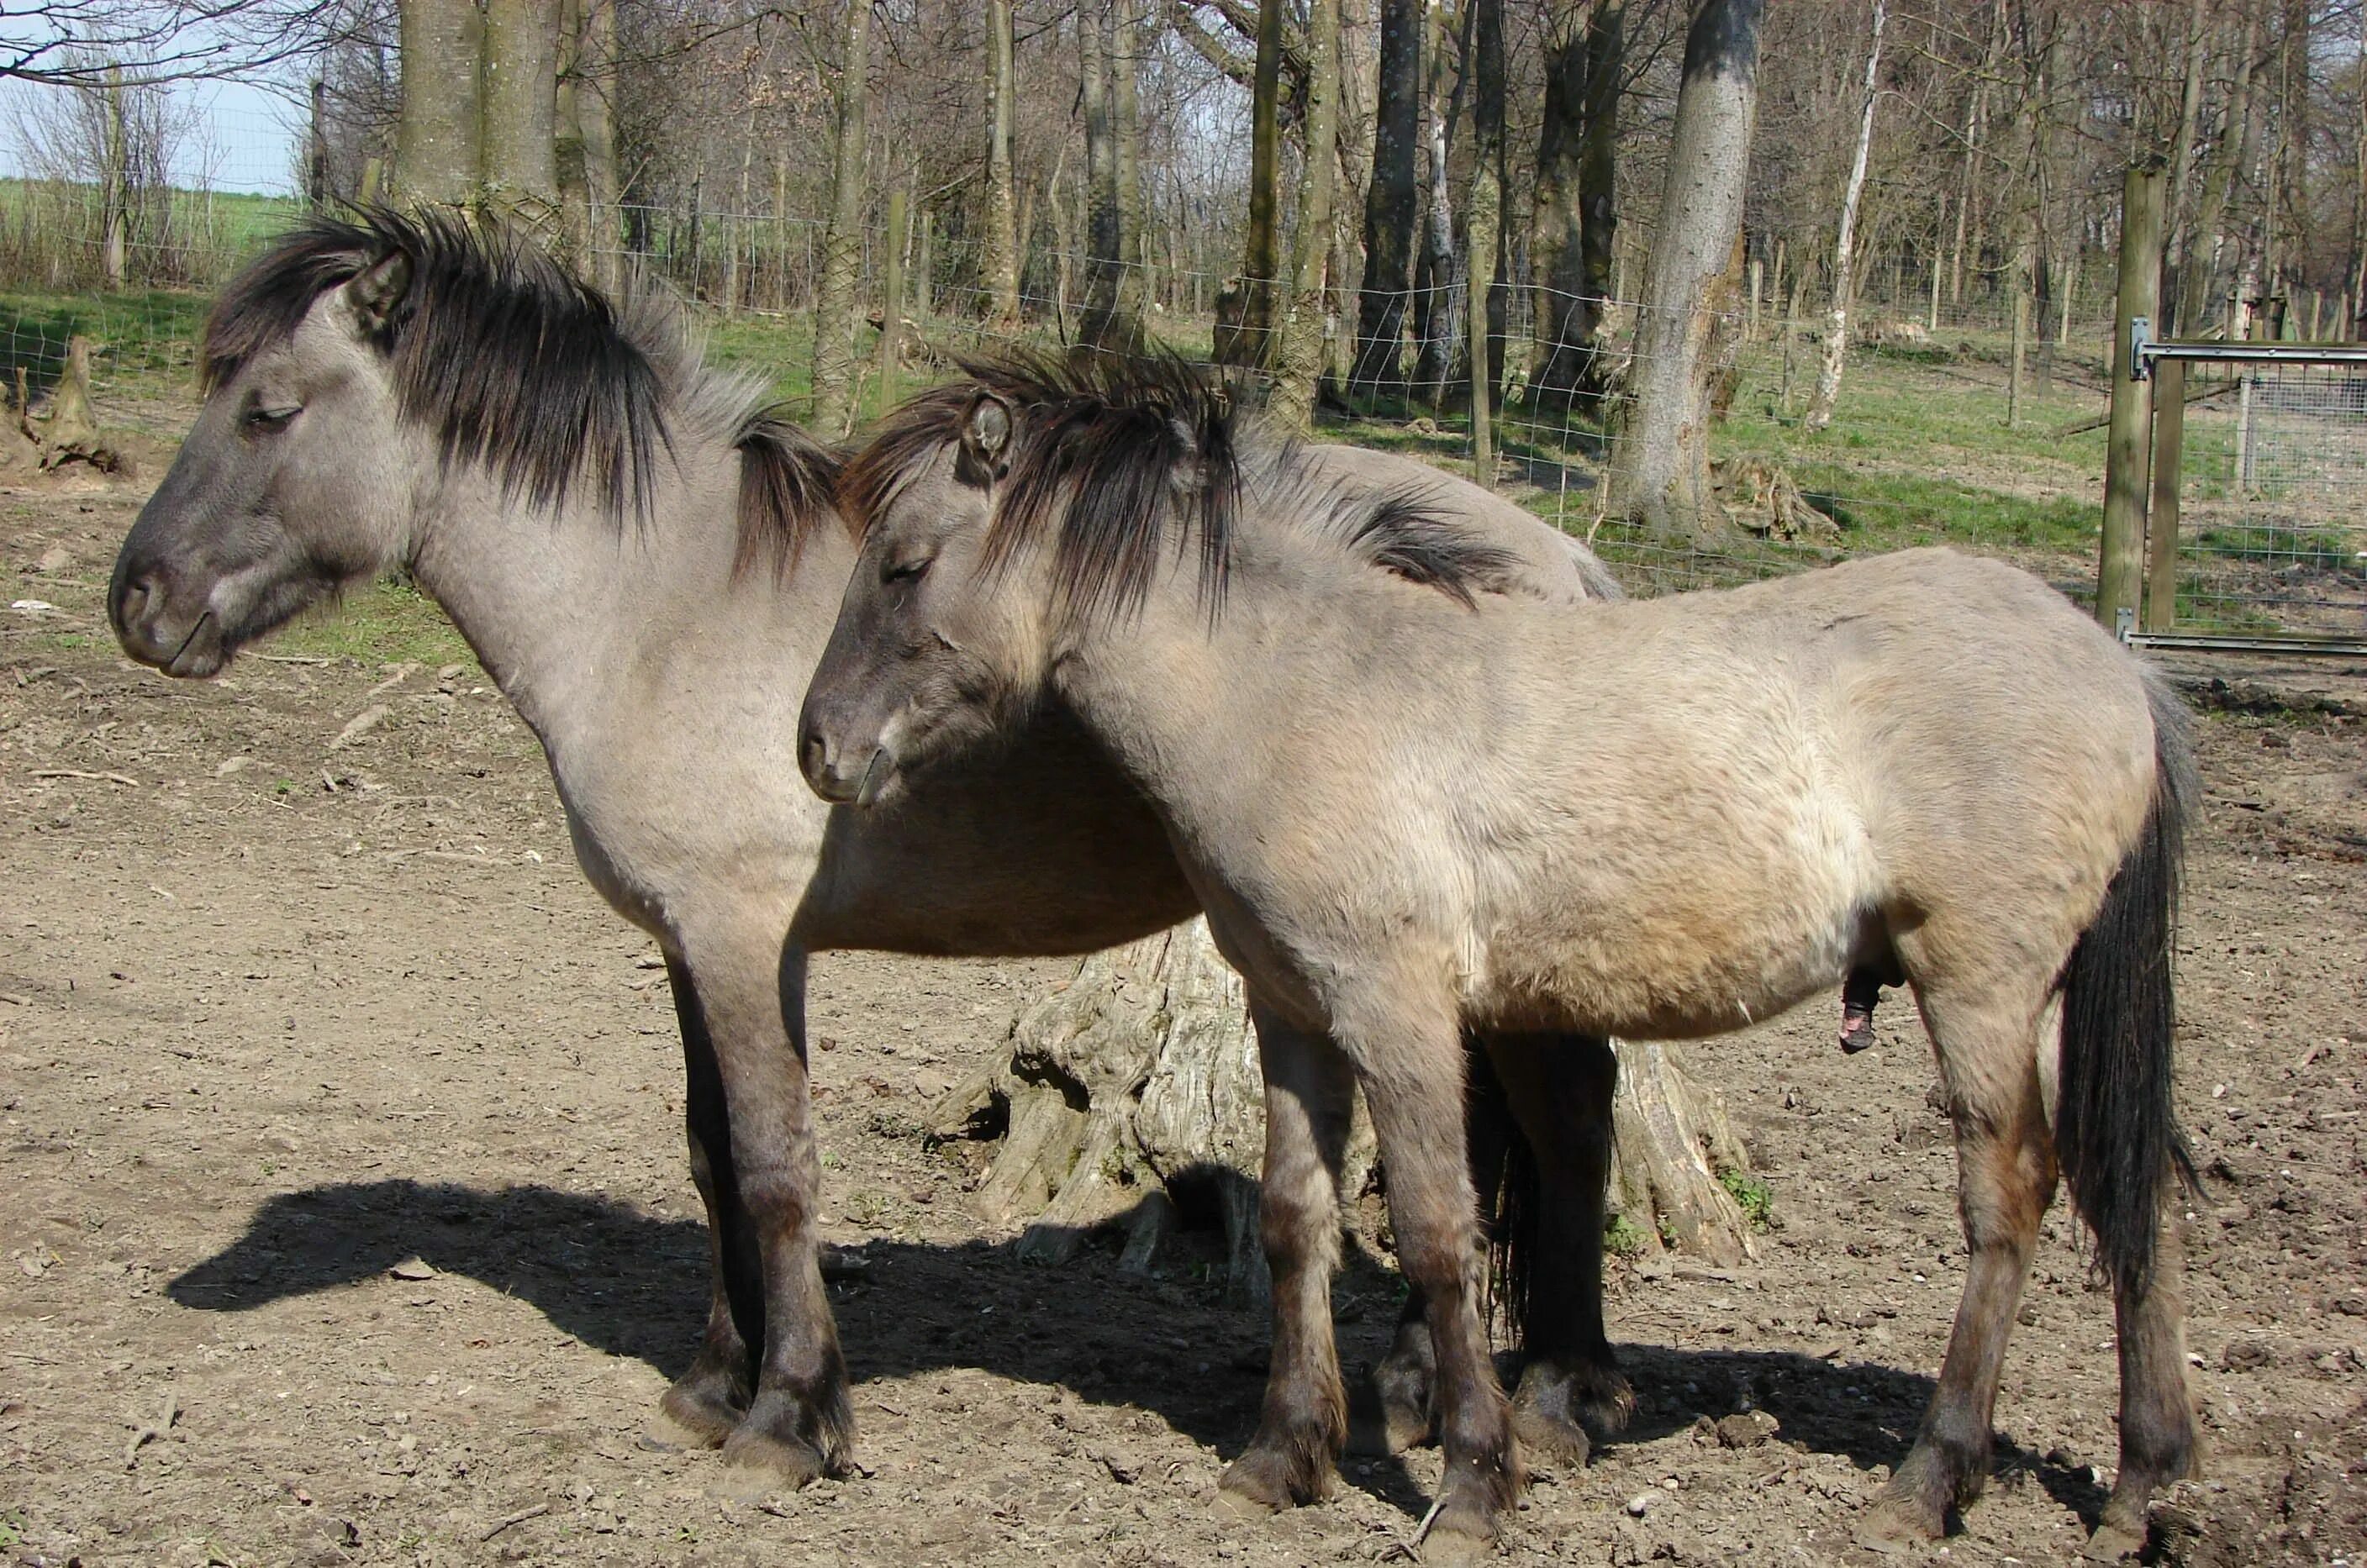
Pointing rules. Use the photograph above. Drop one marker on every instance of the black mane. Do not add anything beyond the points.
(1106, 449)
(519, 366)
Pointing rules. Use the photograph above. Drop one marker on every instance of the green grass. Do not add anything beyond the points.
(387, 623)
(1622, 1237)
(1753, 1196)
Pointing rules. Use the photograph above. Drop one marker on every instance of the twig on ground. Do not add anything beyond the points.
(517, 1519)
(123, 779)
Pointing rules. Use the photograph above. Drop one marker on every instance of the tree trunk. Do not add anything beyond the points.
(2205, 240)
(115, 186)
(1557, 220)
(595, 126)
(1659, 469)
(1262, 263)
(1125, 54)
(1440, 303)
(2181, 171)
(1390, 200)
(437, 137)
(519, 173)
(836, 305)
(1829, 377)
(2356, 328)
(1485, 238)
(1095, 35)
(1130, 1100)
(1000, 262)
(1598, 167)
(1300, 365)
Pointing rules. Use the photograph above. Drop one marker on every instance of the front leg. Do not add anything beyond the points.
(1310, 1094)
(798, 1423)
(707, 1401)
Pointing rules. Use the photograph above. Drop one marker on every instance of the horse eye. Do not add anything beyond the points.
(268, 421)
(907, 571)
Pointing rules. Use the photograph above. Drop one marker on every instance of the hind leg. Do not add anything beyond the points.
(2005, 1177)
(2159, 1442)
(1310, 1094)
(1559, 1089)
(707, 1401)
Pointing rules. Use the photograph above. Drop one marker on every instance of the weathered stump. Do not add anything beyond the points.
(1139, 1079)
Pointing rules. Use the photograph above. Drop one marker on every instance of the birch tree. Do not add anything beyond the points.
(1829, 377)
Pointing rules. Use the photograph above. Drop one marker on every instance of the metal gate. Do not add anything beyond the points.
(2256, 525)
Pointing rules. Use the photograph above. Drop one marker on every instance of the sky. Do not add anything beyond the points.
(245, 136)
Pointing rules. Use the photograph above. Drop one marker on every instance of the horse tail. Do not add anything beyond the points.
(2116, 1132)
(1506, 1175)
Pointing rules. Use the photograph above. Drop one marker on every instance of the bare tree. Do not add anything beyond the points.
(1300, 365)
(1261, 254)
(1438, 300)
(834, 361)
(1829, 377)
(1390, 200)
(1659, 468)
(999, 261)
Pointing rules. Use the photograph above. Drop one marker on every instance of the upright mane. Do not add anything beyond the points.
(1109, 452)
(1106, 452)
(519, 366)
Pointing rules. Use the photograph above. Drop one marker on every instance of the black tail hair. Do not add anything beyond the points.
(2116, 1132)
(1508, 1193)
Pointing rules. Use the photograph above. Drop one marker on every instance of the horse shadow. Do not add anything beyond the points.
(629, 1283)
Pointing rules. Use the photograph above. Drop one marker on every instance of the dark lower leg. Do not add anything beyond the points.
(1304, 1421)
(1859, 992)
(2005, 1177)
(707, 1401)
(798, 1424)
(1431, 1209)
(1401, 1413)
(2159, 1443)
(1561, 1087)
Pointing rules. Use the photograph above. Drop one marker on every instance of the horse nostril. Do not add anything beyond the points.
(813, 752)
(132, 598)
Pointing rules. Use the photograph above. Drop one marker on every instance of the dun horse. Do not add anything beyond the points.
(1413, 804)
(647, 562)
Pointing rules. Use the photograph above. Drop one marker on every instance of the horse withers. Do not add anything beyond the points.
(647, 558)
(1413, 801)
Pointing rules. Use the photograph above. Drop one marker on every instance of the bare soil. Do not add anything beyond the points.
(343, 1215)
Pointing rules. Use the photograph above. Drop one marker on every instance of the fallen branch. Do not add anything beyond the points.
(517, 1519)
(83, 773)
(162, 1425)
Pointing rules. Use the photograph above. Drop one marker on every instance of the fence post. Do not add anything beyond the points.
(2161, 521)
(2120, 567)
(891, 314)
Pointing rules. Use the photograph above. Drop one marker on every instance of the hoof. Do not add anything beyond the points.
(1896, 1525)
(690, 1418)
(1550, 1436)
(1459, 1535)
(757, 1465)
(1382, 1423)
(1267, 1481)
(2112, 1543)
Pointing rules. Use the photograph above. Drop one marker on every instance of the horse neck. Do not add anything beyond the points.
(1191, 709)
(555, 604)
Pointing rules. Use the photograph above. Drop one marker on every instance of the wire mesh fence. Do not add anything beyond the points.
(2273, 526)
(1933, 440)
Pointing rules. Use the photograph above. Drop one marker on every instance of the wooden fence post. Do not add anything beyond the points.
(891, 304)
(2120, 568)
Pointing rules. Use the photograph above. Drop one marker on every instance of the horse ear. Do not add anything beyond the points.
(985, 439)
(376, 290)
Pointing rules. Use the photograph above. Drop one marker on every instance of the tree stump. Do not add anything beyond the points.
(1132, 1094)
(71, 434)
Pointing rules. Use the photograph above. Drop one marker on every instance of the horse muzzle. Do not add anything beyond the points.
(855, 776)
(139, 607)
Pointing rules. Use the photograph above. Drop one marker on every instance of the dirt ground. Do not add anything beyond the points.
(343, 1216)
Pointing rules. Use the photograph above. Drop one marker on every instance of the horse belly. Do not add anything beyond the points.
(1676, 941)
